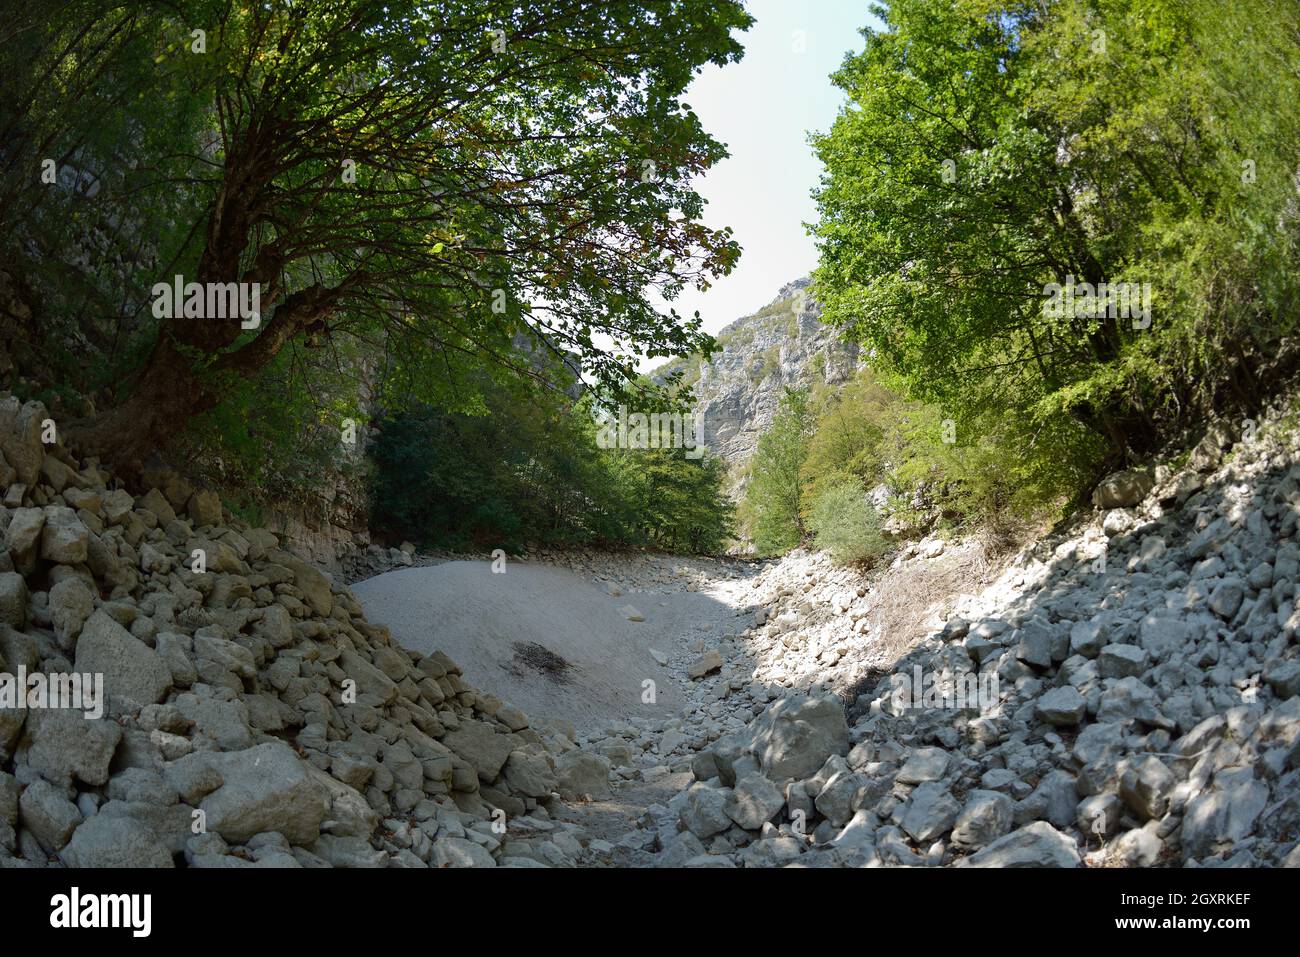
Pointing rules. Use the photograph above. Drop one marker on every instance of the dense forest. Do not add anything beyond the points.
(1063, 232)
(1066, 232)
(428, 199)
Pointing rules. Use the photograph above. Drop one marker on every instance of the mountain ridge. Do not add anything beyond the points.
(784, 344)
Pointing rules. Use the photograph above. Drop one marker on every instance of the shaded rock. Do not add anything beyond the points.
(71, 604)
(352, 852)
(1122, 661)
(704, 812)
(710, 661)
(24, 531)
(1122, 489)
(794, 737)
(13, 600)
(931, 812)
(1223, 816)
(64, 745)
(479, 744)
(1062, 707)
(133, 673)
(924, 764)
(314, 585)
(986, 816)
(114, 842)
(1034, 845)
(754, 801)
(20, 437)
(583, 775)
(48, 814)
(204, 507)
(458, 852)
(64, 539)
(266, 788)
(530, 774)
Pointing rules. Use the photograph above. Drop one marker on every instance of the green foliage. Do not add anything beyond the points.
(771, 510)
(992, 148)
(845, 524)
(996, 472)
(433, 180)
(529, 470)
(858, 432)
(82, 91)
(439, 201)
(269, 442)
(962, 471)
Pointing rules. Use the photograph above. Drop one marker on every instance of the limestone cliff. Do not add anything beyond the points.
(739, 388)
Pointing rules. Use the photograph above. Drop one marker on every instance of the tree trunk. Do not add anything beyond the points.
(166, 396)
(173, 388)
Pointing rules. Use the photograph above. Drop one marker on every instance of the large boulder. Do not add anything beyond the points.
(20, 437)
(1224, 816)
(13, 600)
(1063, 706)
(930, 813)
(266, 788)
(795, 736)
(112, 841)
(1034, 845)
(369, 679)
(314, 585)
(480, 744)
(583, 775)
(204, 507)
(63, 744)
(64, 539)
(71, 604)
(46, 811)
(458, 852)
(24, 531)
(1122, 489)
(754, 801)
(986, 817)
(530, 774)
(704, 813)
(709, 661)
(134, 674)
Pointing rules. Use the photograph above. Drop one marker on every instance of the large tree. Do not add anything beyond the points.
(432, 178)
(993, 147)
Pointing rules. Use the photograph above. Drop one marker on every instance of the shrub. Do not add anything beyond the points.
(845, 525)
(771, 508)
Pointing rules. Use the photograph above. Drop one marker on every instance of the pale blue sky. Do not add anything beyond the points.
(763, 108)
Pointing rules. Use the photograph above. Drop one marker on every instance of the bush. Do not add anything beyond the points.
(529, 471)
(845, 525)
(771, 510)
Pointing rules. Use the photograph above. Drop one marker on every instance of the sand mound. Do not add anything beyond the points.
(539, 637)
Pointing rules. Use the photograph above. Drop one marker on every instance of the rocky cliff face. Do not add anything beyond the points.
(782, 345)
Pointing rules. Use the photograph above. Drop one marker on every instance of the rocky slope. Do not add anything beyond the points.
(1146, 709)
(253, 717)
(782, 345)
(1139, 671)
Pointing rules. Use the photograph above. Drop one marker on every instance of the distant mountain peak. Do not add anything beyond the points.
(784, 344)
